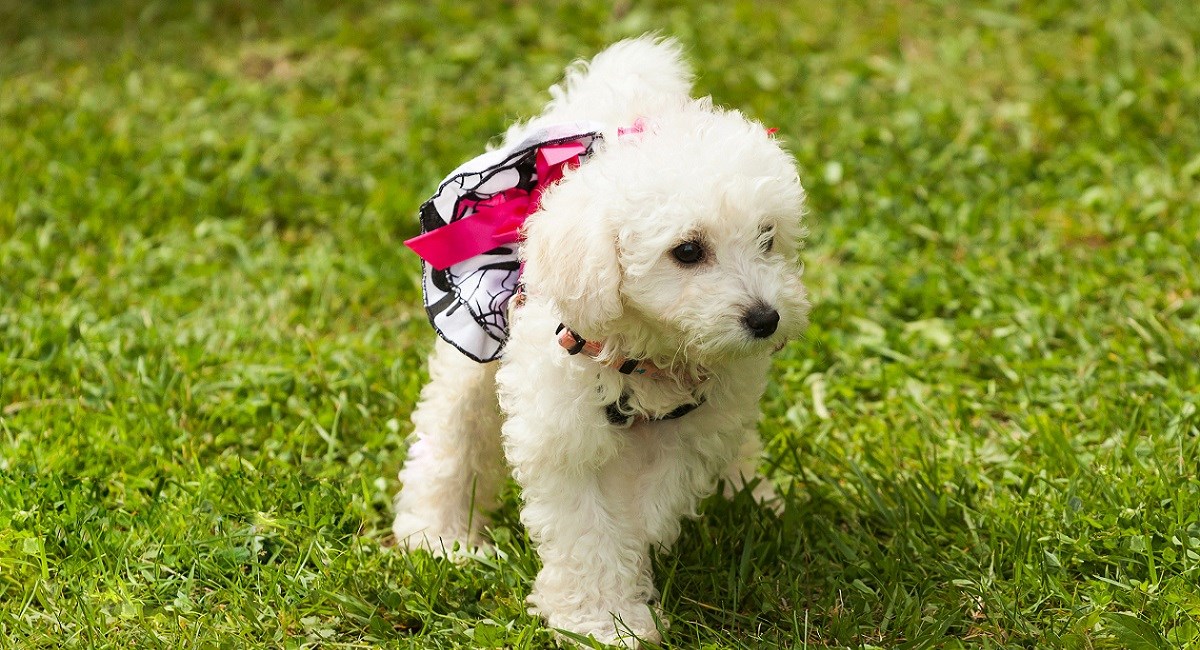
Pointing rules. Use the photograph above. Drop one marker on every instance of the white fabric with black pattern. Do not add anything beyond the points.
(467, 303)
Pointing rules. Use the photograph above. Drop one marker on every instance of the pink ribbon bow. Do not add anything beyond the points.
(497, 220)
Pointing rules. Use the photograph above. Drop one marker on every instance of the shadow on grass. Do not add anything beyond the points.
(839, 565)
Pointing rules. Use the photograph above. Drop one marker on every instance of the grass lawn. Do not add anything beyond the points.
(211, 337)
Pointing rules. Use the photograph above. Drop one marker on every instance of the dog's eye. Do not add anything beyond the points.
(767, 239)
(689, 252)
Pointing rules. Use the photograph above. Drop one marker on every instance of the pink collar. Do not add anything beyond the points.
(574, 344)
(618, 411)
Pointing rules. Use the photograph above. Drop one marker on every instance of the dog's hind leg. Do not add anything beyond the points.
(455, 464)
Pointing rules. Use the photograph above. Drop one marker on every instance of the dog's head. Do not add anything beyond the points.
(680, 240)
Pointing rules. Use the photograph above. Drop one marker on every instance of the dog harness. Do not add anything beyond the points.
(574, 344)
(617, 412)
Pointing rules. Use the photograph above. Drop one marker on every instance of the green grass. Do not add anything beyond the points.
(210, 334)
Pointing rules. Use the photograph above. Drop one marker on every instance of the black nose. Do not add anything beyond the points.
(761, 320)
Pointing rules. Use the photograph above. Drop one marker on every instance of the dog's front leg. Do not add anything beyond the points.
(595, 578)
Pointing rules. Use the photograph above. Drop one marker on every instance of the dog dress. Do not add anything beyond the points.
(471, 233)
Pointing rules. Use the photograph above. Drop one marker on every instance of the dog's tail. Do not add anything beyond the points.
(633, 78)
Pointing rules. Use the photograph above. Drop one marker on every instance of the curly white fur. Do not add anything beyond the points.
(598, 257)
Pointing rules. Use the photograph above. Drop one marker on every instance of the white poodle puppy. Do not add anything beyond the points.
(672, 252)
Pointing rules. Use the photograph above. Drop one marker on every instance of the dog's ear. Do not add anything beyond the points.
(570, 256)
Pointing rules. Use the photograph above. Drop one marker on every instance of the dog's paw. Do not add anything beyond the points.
(629, 628)
(761, 490)
(414, 533)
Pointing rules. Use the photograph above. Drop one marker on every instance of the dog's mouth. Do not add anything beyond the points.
(733, 345)
(699, 344)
